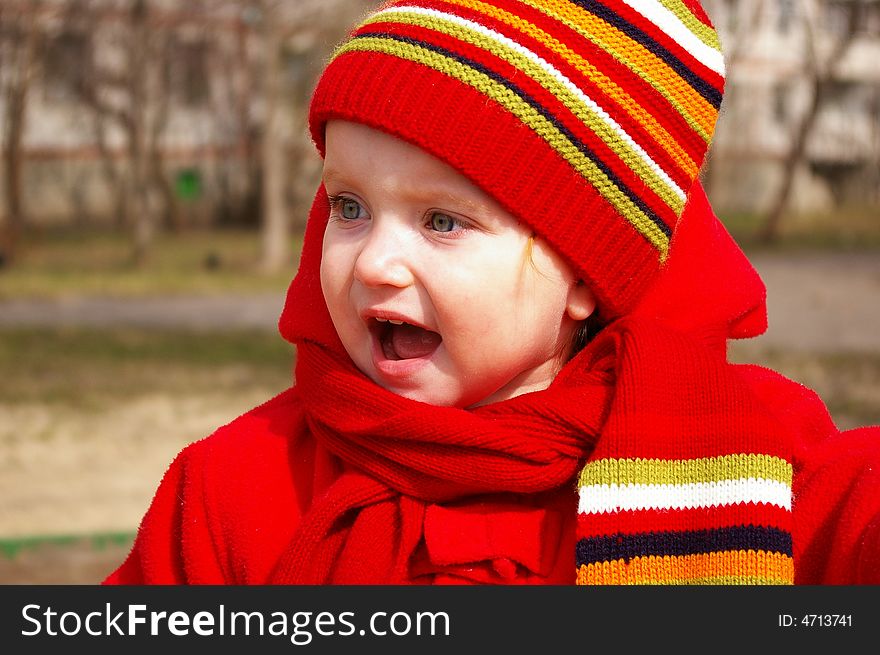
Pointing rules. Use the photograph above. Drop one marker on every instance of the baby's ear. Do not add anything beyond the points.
(581, 301)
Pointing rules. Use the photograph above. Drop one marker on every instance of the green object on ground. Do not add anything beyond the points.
(188, 184)
(9, 548)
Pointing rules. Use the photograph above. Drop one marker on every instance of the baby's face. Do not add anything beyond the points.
(429, 281)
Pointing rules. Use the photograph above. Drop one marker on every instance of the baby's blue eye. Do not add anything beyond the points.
(442, 222)
(350, 209)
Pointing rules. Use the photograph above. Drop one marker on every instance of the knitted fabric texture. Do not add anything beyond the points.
(586, 119)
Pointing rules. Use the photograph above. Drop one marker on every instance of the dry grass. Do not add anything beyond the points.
(55, 263)
(94, 369)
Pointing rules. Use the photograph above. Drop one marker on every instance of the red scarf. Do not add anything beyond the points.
(609, 401)
(404, 454)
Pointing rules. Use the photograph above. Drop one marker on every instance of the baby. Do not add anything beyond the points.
(511, 318)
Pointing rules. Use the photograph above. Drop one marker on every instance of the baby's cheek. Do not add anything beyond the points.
(333, 283)
(326, 280)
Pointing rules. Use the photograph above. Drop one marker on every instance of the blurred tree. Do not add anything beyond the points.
(275, 249)
(822, 69)
(135, 97)
(236, 179)
(20, 42)
(740, 28)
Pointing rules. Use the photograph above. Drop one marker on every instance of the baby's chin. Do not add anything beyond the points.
(442, 392)
(438, 395)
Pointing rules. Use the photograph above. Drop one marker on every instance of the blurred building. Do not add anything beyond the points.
(176, 91)
(775, 49)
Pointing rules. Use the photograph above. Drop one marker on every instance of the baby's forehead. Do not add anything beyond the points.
(359, 155)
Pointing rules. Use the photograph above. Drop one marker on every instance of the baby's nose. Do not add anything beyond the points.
(383, 260)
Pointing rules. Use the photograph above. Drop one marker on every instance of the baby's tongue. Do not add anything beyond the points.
(409, 341)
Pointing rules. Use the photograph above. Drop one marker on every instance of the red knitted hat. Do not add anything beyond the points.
(588, 120)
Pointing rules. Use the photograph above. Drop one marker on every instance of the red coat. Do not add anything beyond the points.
(229, 505)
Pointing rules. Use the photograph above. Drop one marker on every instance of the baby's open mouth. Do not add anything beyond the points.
(401, 340)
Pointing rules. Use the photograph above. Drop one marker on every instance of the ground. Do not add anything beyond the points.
(74, 482)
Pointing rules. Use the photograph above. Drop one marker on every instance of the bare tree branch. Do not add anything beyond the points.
(822, 71)
(24, 41)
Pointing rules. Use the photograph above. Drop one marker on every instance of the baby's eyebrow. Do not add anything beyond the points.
(457, 200)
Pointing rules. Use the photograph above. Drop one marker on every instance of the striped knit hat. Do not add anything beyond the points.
(586, 119)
